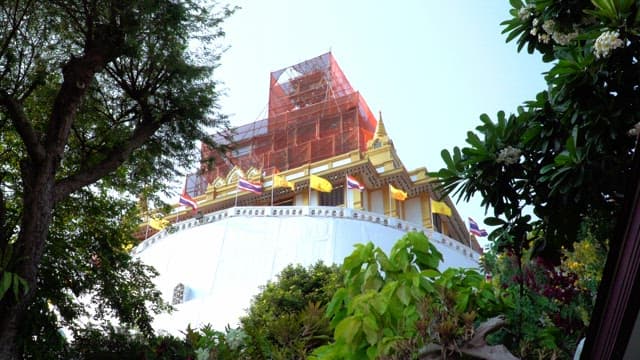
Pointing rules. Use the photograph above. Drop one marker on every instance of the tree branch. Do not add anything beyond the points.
(477, 346)
(16, 20)
(78, 75)
(27, 133)
(116, 157)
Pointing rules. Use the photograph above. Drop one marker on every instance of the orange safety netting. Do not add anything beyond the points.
(314, 114)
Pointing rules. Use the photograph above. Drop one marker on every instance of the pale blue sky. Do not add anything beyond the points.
(431, 67)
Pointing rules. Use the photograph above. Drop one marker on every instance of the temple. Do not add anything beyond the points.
(318, 127)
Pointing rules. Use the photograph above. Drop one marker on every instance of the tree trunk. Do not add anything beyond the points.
(38, 209)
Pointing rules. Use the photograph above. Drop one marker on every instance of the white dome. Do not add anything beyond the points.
(223, 258)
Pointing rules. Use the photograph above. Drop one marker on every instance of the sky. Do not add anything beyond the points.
(431, 67)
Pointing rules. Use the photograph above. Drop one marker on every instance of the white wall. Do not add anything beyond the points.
(413, 210)
(377, 204)
(223, 263)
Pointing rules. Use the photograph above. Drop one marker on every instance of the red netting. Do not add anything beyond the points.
(314, 114)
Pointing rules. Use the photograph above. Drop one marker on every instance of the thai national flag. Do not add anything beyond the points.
(250, 186)
(187, 200)
(353, 184)
(475, 229)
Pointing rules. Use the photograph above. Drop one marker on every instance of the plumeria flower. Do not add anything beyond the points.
(509, 155)
(606, 42)
(548, 26)
(525, 12)
(564, 39)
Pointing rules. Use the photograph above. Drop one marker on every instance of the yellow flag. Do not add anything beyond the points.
(397, 193)
(280, 182)
(439, 207)
(158, 223)
(320, 184)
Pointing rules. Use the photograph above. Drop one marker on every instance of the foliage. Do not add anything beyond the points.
(393, 305)
(286, 319)
(210, 344)
(565, 155)
(97, 98)
(118, 343)
(88, 274)
(588, 256)
(571, 138)
(552, 303)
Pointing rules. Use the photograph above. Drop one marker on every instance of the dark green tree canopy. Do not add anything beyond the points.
(567, 155)
(97, 98)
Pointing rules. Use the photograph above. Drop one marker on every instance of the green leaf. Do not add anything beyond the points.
(547, 168)
(474, 140)
(571, 143)
(448, 161)
(605, 8)
(419, 241)
(401, 258)
(347, 329)
(381, 302)
(370, 329)
(428, 261)
(403, 294)
(430, 273)
(494, 221)
(516, 29)
(372, 279)
(5, 283)
(516, 4)
(372, 352)
(337, 300)
(6, 257)
(384, 262)
(562, 159)
(462, 299)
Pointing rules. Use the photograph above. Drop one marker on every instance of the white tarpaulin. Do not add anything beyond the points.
(222, 264)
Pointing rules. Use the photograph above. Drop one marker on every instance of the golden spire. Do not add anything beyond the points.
(381, 132)
(380, 137)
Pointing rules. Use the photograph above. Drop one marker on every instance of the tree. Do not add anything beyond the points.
(98, 94)
(287, 319)
(566, 155)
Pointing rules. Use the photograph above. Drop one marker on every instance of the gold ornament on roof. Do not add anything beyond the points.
(380, 137)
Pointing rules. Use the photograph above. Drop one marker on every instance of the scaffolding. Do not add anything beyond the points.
(314, 114)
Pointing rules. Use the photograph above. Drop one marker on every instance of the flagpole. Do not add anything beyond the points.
(346, 192)
(390, 199)
(309, 170)
(273, 179)
(236, 203)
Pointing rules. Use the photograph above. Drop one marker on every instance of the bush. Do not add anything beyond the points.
(287, 319)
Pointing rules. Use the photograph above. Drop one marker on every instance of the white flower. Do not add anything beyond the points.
(535, 22)
(635, 130)
(524, 13)
(548, 26)
(509, 155)
(544, 38)
(564, 39)
(606, 42)
(534, 31)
